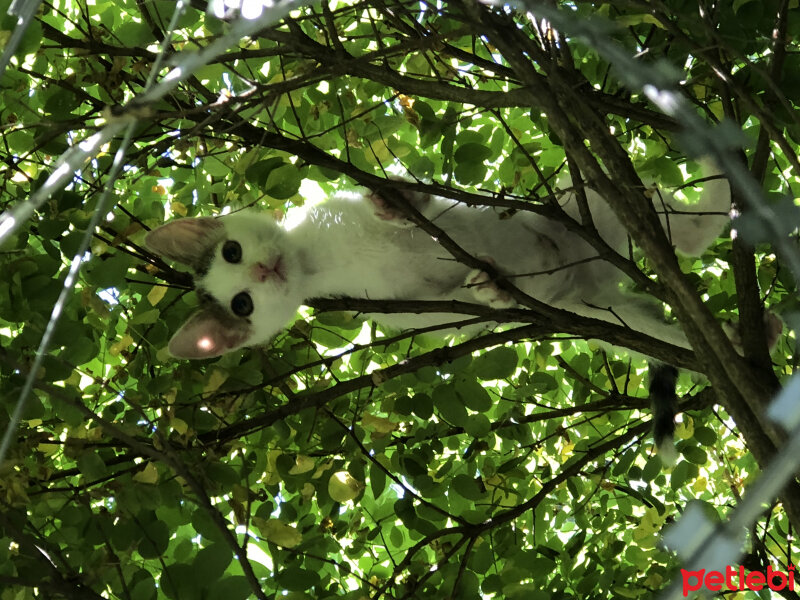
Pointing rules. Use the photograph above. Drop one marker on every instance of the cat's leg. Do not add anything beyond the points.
(693, 227)
(690, 227)
(773, 327)
(635, 312)
(641, 314)
(485, 290)
(386, 211)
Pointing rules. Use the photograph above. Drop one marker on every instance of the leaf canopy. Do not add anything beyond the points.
(349, 461)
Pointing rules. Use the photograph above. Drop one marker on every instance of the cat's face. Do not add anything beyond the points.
(246, 275)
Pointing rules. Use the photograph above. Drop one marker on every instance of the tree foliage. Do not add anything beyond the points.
(347, 461)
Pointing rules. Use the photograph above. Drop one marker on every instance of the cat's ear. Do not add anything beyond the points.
(185, 240)
(206, 335)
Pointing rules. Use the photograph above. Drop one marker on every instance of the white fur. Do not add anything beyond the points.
(341, 248)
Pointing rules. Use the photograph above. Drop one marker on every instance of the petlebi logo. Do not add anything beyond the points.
(734, 579)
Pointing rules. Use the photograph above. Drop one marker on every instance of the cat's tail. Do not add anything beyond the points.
(663, 400)
(693, 227)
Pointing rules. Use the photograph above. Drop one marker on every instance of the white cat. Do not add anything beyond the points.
(253, 274)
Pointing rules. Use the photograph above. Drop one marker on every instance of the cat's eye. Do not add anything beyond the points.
(242, 304)
(232, 251)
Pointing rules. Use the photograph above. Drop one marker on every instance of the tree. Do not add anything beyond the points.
(347, 461)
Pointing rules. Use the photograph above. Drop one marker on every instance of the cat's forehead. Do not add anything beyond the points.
(250, 226)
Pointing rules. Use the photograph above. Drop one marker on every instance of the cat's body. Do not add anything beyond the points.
(353, 245)
(253, 274)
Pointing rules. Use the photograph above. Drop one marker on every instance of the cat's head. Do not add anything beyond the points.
(245, 273)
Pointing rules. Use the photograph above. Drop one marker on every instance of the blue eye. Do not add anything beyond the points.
(242, 304)
(232, 251)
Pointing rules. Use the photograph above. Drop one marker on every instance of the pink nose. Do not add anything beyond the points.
(260, 272)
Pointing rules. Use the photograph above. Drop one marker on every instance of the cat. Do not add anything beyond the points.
(252, 273)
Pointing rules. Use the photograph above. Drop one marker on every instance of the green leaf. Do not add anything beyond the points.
(231, 588)
(53, 228)
(679, 475)
(422, 406)
(60, 103)
(652, 469)
(144, 588)
(211, 562)
(694, 454)
(19, 140)
(468, 586)
(108, 272)
(470, 173)
(91, 465)
(737, 4)
(155, 540)
(471, 153)
(422, 168)
(204, 525)
(178, 582)
(473, 395)
(71, 415)
(542, 382)
(481, 558)
(467, 487)
(34, 408)
(449, 406)
(259, 172)
(412, 466)
(134, 35)
(705, 435)
(74, 516)
(31, 39)
(82, 350)
(296, 579)
(164, 10)
(146, 317)
(521, 155)
(377, 480)
(404, 509)
(123, 534)
(643, 18)
(283, 182)
(478, 426)
(498, 363)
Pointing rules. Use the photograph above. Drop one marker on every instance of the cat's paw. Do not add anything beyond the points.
(385, 211)
(486, 291)
(773, 327)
